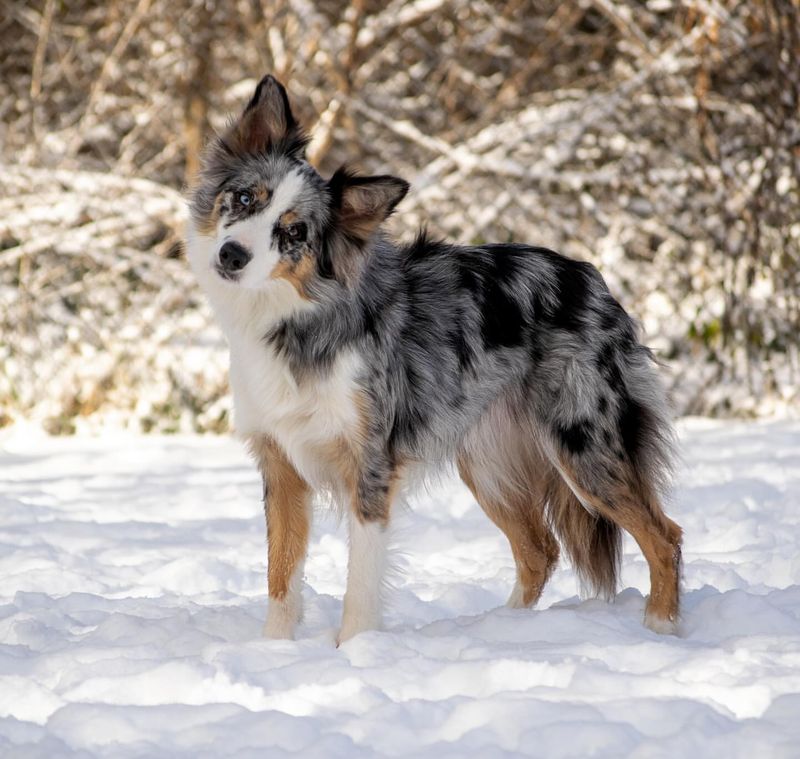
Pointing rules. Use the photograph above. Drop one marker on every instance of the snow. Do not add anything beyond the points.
(132, 596)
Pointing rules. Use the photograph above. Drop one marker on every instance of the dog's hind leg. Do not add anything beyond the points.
(287, 506)
(658, 537)
(615, 474)
(517, 508)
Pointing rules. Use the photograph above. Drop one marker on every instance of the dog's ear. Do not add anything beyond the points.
(363, 203)
(268, 122)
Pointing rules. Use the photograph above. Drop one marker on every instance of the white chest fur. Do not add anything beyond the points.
(299, 416)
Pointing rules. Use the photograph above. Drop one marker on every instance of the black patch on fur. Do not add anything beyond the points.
(481, 273)
(613, 315)
(372, 317)
(602, 404)
(537, 351)
(462, 348)
(296, 342)
(368, 317)
(288, 245)
(502, 318)
(538, 303)
(468, 278)
(277, 336)
(604, 358)
(506, 261)
(501, 325)
(419, 249)
(573, 294)
(609, 319)
(411, 419)
(576, 437)
(408, 424)
(606, 362)
(423, 247)
(373, 488)
(325, 263)
(632, 422)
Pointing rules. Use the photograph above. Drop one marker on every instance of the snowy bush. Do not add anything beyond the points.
(658, 140)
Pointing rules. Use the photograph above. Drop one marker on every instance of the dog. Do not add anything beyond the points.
(357, 363)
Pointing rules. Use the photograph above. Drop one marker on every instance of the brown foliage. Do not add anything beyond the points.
(658, 139)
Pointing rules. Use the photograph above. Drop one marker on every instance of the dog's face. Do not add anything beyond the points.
(265, 214)
(268, 221)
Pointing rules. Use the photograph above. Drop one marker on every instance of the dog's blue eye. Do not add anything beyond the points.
(245, 198)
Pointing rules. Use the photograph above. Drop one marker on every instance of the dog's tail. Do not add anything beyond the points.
(594, 543)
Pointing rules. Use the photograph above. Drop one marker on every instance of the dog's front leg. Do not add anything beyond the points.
(287, 506)
(369, 537)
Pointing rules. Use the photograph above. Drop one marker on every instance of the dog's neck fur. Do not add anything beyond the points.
(341, 315)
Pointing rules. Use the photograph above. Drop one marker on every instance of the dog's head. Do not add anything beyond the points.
(265, 214)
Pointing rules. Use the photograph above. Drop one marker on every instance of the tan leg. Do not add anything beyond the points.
(637, 511)
(287, 505)
(660, 542)
(520, 515)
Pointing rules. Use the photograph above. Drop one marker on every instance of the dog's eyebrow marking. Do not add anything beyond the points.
(288, 217)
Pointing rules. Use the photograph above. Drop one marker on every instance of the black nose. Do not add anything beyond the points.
(233, 256)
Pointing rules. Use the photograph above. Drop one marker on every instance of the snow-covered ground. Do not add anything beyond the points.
(132, 595)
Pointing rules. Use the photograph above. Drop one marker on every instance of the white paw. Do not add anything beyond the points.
(354, 623)
(365, 570)
(281, 621)
(515, 600)
(660, 625)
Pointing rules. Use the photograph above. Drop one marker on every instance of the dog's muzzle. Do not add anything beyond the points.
(232, 259)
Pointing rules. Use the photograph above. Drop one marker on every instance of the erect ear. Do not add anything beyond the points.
(363, 203)
(268, 122)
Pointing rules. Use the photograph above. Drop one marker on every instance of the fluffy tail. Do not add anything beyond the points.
(594, 543)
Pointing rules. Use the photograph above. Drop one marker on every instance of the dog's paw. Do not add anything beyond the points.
(275, 631)
(353, 624)
(280, 623)
(517, 598)
(660, 625)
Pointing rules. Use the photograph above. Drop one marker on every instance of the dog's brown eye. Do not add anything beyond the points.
(245, 198)
(296, 232)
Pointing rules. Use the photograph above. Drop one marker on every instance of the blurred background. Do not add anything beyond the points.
(659, 139)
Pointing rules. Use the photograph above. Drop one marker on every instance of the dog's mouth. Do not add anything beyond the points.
(227, 274)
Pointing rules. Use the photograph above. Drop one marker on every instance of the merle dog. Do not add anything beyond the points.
(358, 364)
